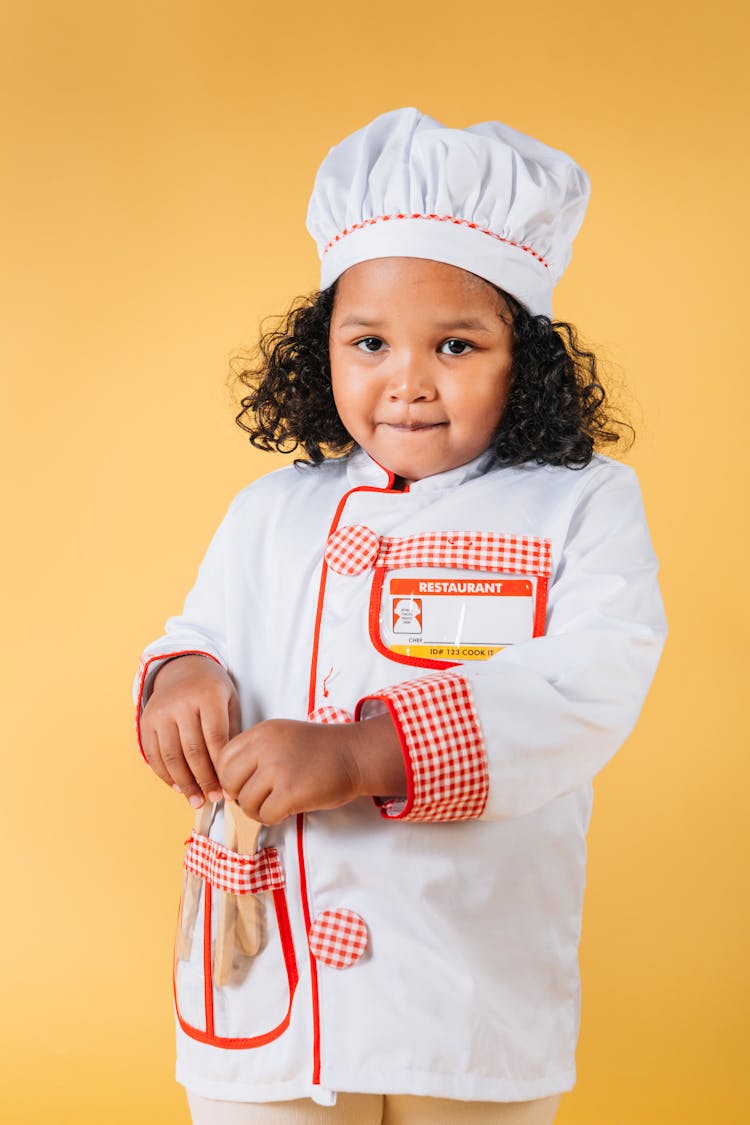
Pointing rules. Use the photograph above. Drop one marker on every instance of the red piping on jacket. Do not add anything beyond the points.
(540, 614)
(300, 816)
(324, 574)
(208, 980)
(313, 965)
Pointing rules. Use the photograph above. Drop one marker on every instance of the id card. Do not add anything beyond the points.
(448, 615)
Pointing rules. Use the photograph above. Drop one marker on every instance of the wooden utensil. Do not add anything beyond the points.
(225, 930)
(249, 925)
(192, 890)
(240, 924)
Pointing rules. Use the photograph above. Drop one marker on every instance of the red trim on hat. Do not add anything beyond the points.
(441, 219)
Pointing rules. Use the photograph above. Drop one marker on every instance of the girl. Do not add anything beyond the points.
(404, 659)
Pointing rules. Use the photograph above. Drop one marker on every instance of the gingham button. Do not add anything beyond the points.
(352, 549)
(330, 715)
(338, 938)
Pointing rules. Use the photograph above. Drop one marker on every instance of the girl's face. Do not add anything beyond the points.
(420, 357)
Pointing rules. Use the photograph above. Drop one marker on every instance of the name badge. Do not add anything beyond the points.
(448, 616)
(439, 598)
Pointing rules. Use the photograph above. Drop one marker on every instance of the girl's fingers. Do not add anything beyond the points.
(214, 722)
(198, 758)
(238, 766)
(185, 726)
(235, 719)
(274, 808)
(220, 722)
(170, 745)
(252, 796)
(150, 743)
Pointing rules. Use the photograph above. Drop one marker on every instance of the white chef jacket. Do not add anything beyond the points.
(427, 943)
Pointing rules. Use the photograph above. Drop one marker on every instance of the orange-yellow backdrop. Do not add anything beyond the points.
(157, 162)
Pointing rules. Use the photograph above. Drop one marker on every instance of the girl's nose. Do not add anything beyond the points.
(411, 383)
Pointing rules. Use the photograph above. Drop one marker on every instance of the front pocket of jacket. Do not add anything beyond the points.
(443, 598)
(235, 971)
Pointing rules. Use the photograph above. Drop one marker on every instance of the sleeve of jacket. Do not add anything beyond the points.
(500, 738)
(199, 629)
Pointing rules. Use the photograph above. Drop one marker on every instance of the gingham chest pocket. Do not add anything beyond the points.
(444, 597)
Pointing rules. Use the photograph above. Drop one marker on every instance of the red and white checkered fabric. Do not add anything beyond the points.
(468, 550)
(231, 872)
(338, 938)
(330, 715)
(356, 548)
(352, 549)
(442, 738)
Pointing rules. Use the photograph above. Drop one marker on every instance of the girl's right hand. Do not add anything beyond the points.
(192, 713)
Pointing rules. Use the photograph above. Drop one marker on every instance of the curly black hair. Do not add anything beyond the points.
(556, 412)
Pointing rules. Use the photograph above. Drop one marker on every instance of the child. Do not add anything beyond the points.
(406, 659)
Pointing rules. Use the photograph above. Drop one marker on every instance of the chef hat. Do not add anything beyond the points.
(486, 198)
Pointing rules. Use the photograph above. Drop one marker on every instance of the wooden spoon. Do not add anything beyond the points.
(192, 890)
(240, 924)
(249, 907)
(225, 930)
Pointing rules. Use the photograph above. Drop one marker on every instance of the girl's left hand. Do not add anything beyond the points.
(282, 767)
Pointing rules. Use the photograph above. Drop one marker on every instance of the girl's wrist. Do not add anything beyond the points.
(176, 666)
(376, 748)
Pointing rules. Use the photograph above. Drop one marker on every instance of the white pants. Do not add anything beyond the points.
(374, 1109)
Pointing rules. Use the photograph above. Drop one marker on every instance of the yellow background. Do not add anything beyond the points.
(157, 160)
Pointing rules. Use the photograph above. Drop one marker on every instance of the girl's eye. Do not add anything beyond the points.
(461, 344)
(375, 344)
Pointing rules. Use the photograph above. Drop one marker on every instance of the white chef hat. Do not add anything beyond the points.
(486, 198)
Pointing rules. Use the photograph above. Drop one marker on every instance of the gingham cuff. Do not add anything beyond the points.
(446, 763)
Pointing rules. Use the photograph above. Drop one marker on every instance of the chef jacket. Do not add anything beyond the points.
(425, 943)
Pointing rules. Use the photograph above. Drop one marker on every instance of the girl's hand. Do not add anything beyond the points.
(281, 767)
(192, 713)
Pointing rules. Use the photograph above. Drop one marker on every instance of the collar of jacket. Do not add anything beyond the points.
(362, 470)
